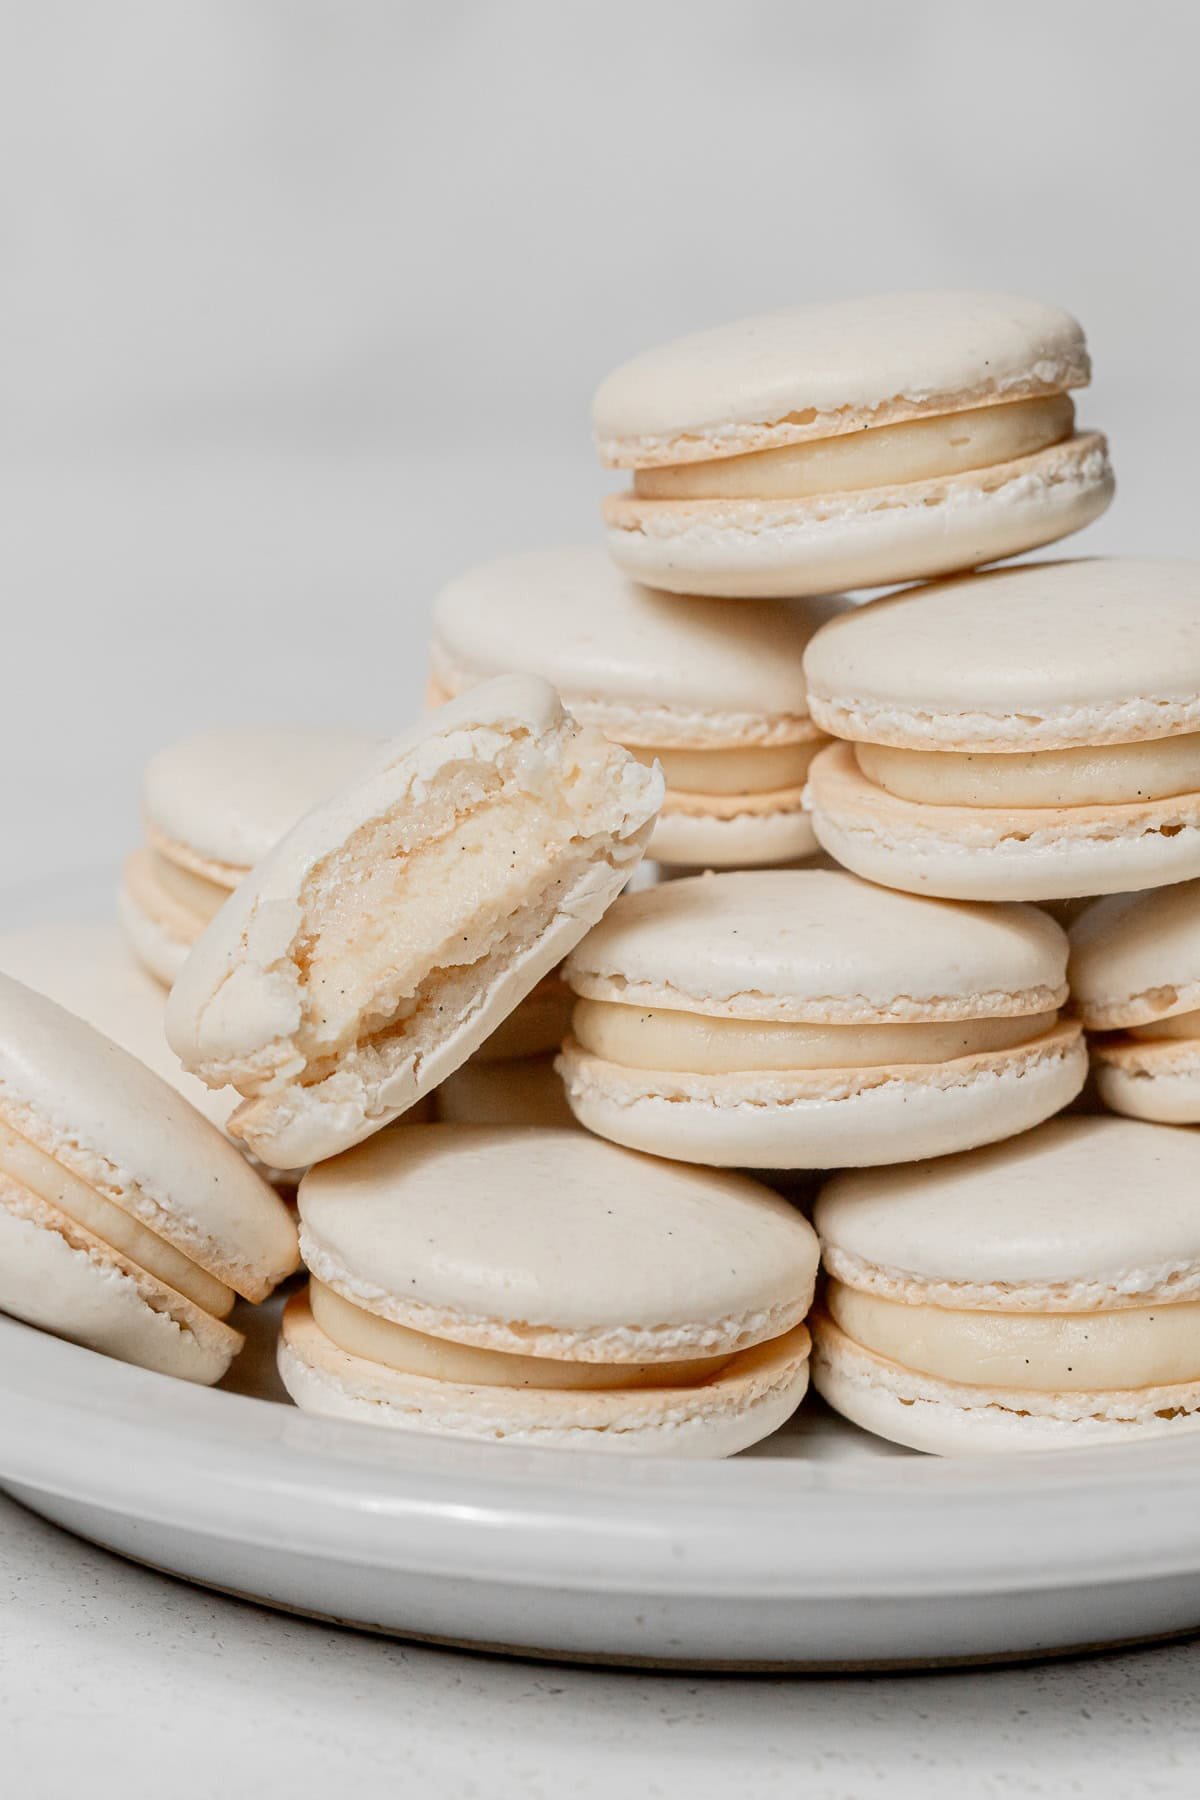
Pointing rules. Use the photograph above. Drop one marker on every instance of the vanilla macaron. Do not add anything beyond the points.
(1028, 734)
(391, 931)
(850, 443)
(1135, 983)
(1041, 1292)
(212, 806)
(799, 1019)
(543, 1288)
(127, 1222)
(717, 698)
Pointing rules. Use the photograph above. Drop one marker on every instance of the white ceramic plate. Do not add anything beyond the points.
(822, 1549)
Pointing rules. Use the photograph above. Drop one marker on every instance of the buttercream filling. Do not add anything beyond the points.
(1181, 1025)
(1111, 774)
(744, 769)
(882, 456)
(60, 1187)
(365, 1334)
(1132, 1347)
(640, 1037)
(187, 889)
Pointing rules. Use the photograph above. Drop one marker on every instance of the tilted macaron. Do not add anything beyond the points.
(389, 933)
(1029, 734)
(1041, 1292)
(850, 443)
(213, 805)
(527, 1090)
(544, 1288)
(127, 1222)
(1135, 983)
(802, 1019)
(717, 697)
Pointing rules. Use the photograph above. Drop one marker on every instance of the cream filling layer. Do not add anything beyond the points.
(1181, 1025)
(191, 891)
(1106, 775)
(1134, 1347)
(640, 1037)
(746, 769)
(31, 1168)
(377, 1340)
(883, 456)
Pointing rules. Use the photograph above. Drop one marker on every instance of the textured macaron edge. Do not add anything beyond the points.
(841, 1367)
(584, 1343)
(159, 951)
(759, 1380)
(209, 868)
(750, 839)
(1159, 1081)
(190, 1341)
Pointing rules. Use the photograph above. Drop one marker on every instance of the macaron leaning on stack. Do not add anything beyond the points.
(851, 443)
(212, 807)
(1025, 734)
(544, 1288)
(127, 1222)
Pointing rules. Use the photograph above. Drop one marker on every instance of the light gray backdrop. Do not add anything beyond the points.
(303, 303)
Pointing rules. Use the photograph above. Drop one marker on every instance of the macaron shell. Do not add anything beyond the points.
(751, 839)
(1135, 958)
(822, 946)
(915, 531)
(946, 1418)
(809, 371)
(825, 1119)
(745, 1401)
(999, 853)
(1159, 1082)
(161, 942)
(552, 1243)
(56, 1275)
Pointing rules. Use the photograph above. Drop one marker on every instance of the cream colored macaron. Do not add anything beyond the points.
(717, 698)
(850, 444)
(391, 931)
(803, 1019)
(1135, 982)
(1029, 734)
(1042, 1292)
(212, 806)
(127, 1222)
(540, 1287)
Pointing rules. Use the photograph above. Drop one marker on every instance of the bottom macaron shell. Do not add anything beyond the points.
(954, 1419)
(752, 1396)
(1145, 1080)
(960, 853)
(747, 840)
(771, 548)
(827, 1118)
(58, 1276)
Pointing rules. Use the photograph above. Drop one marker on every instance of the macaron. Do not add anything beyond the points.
(799, 1019)
(1040, 1293)
(718, 699)
(1028, 734)
(1135, 983)
(525, 1091)
(544, 1288)
(212, 806)
(850, 443)
(127, 1222)
(390, 932)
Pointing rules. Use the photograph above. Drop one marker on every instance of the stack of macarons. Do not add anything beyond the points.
(866, 824)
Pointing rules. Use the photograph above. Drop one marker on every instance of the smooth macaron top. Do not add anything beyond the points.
(830, 366)
(108, 1118)
(1136, 957)
(228, 796)
(554, 1243)
(1039, 657)
(1079, 1212)
(625, 657)
(819, 945)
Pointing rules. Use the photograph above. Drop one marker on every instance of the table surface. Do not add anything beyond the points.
(159, 600)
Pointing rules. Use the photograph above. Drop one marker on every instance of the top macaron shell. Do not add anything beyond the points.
(811, 371)
(552, 1243)
(111, 1120)
(1136, 957)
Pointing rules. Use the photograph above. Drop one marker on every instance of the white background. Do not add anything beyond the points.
(302, 303)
